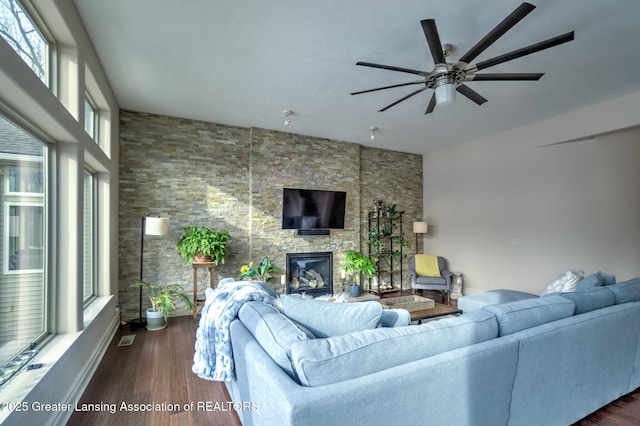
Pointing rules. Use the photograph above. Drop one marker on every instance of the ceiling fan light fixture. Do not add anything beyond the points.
(445, 91)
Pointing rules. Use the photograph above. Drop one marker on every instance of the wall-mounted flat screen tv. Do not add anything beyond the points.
(312, 209)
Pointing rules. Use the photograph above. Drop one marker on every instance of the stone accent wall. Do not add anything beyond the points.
(231, 178)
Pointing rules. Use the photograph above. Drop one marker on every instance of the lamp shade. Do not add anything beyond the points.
(156, 226)
(420, 227)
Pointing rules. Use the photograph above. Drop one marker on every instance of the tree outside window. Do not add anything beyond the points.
(17, 28)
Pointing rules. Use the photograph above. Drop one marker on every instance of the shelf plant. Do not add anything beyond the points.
(201, 244)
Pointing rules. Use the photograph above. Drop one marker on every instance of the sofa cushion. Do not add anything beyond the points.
(325, 319)
(275, 332)
(323, 361)
(476, 301)
(586, 301)
(589, 282)
(527, 313)
(627, 291)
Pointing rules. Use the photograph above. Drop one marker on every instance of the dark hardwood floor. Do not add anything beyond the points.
(157, 369)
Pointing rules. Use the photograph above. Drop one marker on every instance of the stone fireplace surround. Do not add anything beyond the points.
(309, 273)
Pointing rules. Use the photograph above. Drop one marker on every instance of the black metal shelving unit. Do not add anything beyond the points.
(385, 243)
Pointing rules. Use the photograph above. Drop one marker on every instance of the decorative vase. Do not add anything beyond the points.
(456, 285)
(155, 320)
(354, 290)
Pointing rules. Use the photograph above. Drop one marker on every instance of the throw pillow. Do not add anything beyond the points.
(589, 282)
(325, 319)
(566, 281)
(608, 279)
(427, 265)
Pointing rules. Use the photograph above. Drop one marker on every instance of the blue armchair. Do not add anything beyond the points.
(423, 282)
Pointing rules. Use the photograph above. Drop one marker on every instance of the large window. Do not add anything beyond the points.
(17, 28)
(23, 291)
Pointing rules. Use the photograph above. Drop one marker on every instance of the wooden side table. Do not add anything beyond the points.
(210, 266)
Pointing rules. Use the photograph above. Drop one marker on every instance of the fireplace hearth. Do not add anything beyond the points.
(310, 273)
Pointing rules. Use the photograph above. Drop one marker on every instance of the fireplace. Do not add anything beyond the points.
(310, 273)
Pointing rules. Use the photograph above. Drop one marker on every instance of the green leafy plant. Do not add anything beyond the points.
(262, 273)
(163, 299)
(198, 241)
(354, 261)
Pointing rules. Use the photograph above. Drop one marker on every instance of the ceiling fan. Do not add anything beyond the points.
(447, 78)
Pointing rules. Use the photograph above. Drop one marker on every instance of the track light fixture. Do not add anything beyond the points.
(287, 116)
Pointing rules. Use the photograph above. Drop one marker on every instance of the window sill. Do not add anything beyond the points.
(70, 358)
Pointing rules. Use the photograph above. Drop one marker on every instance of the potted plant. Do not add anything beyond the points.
(262, 273)
(354, 261)
(162, 303)
(200, 244)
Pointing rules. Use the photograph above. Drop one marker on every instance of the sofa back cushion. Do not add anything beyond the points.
(627, 291)
(586, 301)
(275, 332)
(323, 361)
(326, 319)
(521, 314)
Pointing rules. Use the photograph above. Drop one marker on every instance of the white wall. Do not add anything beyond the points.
(508, 213)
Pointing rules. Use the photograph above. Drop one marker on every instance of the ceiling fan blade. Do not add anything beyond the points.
(388, 87)
(471, 94)
(517, 76)
(403, 99)
(526, 50)
(432, 104)
(516, 16)
(391, 68)
(433, 40)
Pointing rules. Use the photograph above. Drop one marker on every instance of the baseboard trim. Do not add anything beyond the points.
(86, 374)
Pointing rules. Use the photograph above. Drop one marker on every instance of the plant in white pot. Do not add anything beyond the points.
(354, 261)
(162, 303)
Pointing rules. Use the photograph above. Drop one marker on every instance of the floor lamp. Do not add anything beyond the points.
(419, 228)
(152, 224)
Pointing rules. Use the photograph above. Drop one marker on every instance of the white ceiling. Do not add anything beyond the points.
(242, 63)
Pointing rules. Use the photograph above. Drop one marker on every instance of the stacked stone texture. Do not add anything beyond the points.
(231, 178)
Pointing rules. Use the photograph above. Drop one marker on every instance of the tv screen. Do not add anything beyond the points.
(312, 209)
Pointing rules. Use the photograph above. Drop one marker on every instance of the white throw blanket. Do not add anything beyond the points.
(213, 358)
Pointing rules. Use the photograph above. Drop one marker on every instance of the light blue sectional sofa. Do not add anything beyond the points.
(533, 361)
